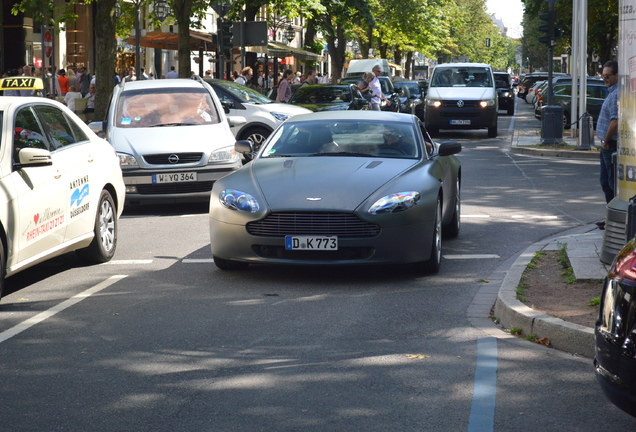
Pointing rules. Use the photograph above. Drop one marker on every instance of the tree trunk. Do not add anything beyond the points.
(105, 49)
(408, 73)
(183, 10)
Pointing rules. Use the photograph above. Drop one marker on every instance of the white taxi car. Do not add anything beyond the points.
(61, 187)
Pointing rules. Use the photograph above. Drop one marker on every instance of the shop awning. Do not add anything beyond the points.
(170, 41)
(275, 49)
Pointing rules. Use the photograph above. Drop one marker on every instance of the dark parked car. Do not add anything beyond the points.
(387, 88)
(415, 93)
(596, 94)
(532, 78)
(615, 332)
(329, 97)
(505, 92)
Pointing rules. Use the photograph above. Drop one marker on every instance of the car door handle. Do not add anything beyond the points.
(91, 159)
(57, 175)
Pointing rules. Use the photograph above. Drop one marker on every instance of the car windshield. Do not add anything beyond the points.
(165, 107)
(321, 95)
(355, 138)
(414, 88)
(461, 76)
(245, 94)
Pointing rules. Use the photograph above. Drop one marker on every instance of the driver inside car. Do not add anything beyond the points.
(396, 142)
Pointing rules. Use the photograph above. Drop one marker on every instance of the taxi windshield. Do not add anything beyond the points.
(165, 107)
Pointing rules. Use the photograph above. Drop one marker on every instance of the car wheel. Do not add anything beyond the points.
(256, 135)
(452, 229)
(492, 132)
(431, 266)
(566, 120)
(224, 264)
(103, 246)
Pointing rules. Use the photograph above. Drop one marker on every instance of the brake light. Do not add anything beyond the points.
(624, 267)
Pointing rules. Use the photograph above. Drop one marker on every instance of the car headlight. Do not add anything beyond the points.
(396, 202)
(433, 103)
(127, 161)
(225, 154)
(237, 200)
(280, 116)
(506, 94)
(487, 103)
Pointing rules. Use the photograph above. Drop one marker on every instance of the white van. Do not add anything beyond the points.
(357, 67)
(461, 96)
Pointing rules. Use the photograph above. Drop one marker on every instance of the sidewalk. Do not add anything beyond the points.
(583, 250)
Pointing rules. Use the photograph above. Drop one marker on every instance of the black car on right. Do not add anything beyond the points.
(615, 332)
(505, 92)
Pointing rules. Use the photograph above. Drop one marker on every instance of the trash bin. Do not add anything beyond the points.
(587, 132)
(552, 124)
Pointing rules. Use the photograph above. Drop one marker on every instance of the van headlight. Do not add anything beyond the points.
(487, 103)
(433, 103)
(225, 154)
(127, 161)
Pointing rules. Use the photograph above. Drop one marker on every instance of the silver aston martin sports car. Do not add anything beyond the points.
(345, 187)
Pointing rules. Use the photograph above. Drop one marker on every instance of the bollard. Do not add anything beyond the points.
(630, 230)
(552, 124)
(587, 132)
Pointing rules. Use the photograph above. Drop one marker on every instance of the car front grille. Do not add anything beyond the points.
(170, 159)
(174, 188)
(466, 103)
(345, 225)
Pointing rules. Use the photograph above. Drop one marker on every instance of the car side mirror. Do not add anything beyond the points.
(33, 157)
(246, 149)
(226, 106)
(448, 148)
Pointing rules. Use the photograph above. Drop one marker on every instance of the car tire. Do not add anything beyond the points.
(451, 230)
(224, 264)
(257, 135)
(432, 265)
(566, 120)
(492, 132)
(104, 243)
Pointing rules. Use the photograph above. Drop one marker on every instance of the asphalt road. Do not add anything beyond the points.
(160, 340)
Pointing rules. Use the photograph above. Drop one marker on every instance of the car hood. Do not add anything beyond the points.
(200, 138)
(283, 108)
(465, 93)
(326, 106)
(297, 183)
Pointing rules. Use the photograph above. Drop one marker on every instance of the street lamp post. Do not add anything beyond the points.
(290, 33)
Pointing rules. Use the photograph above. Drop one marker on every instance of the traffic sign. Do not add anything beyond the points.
(48, 44)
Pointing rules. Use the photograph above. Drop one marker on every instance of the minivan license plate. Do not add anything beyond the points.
(311, 243)
(174, 177)
(460, 122)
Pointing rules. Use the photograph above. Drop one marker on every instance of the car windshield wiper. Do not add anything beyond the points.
(279, 156)
(342, 154)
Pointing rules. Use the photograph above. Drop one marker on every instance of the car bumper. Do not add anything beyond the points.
(395, 244)
(461, 118)
(142, 186)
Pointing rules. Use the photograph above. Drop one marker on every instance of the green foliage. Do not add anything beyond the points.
(595, 302)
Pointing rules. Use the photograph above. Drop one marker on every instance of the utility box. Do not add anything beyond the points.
(587, 132)
(552, 124)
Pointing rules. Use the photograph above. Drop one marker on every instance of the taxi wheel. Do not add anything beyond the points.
(3, 267)
(103, 246)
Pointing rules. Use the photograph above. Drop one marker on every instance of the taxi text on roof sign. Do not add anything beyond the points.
(21, 83)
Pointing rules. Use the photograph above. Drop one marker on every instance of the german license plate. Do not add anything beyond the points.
(311, 243)
(174, 177)
(460, 122)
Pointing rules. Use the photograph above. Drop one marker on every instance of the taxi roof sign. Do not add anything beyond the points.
(21, 83)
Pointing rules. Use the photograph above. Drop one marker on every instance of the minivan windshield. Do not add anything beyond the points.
(461, 76)
(165, 107)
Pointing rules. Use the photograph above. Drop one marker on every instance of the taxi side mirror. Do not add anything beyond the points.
(33, 157)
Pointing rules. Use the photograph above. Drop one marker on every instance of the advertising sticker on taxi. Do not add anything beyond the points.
(174, 177)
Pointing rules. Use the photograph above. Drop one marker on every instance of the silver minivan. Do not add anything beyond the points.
(461, 96)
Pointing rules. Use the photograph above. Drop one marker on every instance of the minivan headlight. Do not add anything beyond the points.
(487, 103)
(433, 103)
(127, 161)
(225, 154)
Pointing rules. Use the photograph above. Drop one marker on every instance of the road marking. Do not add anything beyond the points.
(475, 216)
(471, 256)
(482, 409)
(533, 217)
(24, 325)
(197, 260)
(129, 262)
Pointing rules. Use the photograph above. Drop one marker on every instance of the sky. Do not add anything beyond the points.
(510, 12)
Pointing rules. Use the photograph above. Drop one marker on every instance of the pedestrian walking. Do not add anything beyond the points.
(173, 73)
(64, 82)
(376, 89)
(246, 75)
(284, 87)
(606, 131)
